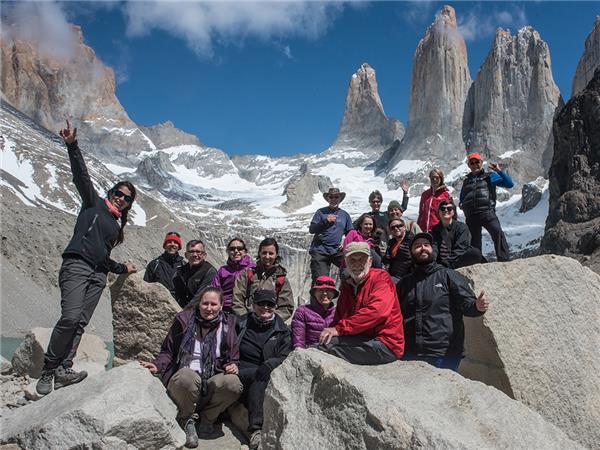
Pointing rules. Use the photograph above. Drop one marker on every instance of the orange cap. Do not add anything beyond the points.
(473, 156)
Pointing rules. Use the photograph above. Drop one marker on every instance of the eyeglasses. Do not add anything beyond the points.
(267, 305)
(236, 249)
(446, 208)
(474, 162)
(199, 252)
(396, 227)
(124, 196)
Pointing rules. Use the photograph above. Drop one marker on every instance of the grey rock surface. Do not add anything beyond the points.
(5, 365)
(301, 188)
(590, 59)
(28, 359)
(539, 341)
(315, 400)
(531, 194)
(142, 315)
(123, 408)
(573, 222)
(511, 104)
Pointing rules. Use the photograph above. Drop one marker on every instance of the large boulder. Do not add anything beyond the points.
(531, 194)
(123, 408)
(315, 400)
(539, 341)
(142, 315)
(28, 359)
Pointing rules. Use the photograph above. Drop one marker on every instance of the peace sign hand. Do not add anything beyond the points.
(66, 134)
(482, 303)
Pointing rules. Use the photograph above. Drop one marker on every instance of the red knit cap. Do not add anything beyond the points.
(172, 237)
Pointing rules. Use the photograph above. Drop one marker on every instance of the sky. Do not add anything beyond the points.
(271, 77)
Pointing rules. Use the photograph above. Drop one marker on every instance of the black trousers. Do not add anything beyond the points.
(253, 395)
(361, 350)
(470, 257)
(490, 222)
(320, 264)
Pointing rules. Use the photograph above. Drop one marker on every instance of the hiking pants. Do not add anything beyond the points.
(254, 395)
(80, 289)
(361, 350)
(441, 362)
(320, 264)
(490, 222)
(470, 257)
(185, 389)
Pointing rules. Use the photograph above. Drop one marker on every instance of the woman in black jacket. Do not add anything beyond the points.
(265, 341)
(86, 262)
(397, 259)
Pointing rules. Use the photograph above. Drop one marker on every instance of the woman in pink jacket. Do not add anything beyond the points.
(430, 200)
(364, 231)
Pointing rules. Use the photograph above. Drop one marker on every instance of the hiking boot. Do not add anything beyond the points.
(205, 428)
(191, 437)
(64, 376)
(254, 440)
(44, 384)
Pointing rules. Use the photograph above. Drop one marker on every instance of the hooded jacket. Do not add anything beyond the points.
(162, 270)
(167, 362)
(308, 322)
(96, 229)
(371, 309)
(430, 200)
(434, 300)
(225, 277)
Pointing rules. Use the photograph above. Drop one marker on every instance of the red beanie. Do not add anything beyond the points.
(172, 237)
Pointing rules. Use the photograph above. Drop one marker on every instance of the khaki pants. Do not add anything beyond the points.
(184, 388)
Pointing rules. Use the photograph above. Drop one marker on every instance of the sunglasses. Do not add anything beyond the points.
(446, 208)
(396, 227)
(268, 305)
(474, 162)
(124, 196)
(334, 197)
(236, 249)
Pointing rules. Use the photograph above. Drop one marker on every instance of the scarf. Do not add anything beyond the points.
(113, 209)
(396, 247)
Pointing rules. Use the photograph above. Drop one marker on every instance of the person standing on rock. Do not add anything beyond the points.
(265, 342)
(86, 262)
(367, 326)
(162, 269)
(198, 364)
(237, 261)
(191, 278)
(478, 202)
(329, 225)
(434, 300)
(430, 199)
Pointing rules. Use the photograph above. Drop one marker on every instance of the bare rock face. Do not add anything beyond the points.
(509, 113)
(301, 189)
(573, 222)
(531, 194)
(439, 88)
(590, 59)
(315, 400)
(164, 135)
(365, 125)
(142, 315)
(539, 341)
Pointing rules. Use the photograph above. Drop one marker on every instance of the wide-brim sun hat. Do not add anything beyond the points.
(334, 191)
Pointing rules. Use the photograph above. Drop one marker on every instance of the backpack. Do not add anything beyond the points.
(278, 285)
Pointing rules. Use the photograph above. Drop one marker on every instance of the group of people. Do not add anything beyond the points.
(398, 296)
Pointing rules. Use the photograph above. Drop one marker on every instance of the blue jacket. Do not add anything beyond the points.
(328, 236)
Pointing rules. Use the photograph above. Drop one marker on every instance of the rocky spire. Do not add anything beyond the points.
(589, 60)
(365, 124)
(439, 87)
(512, 103)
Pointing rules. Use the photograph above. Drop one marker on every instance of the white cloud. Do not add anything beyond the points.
(202, 24)
(480, 24)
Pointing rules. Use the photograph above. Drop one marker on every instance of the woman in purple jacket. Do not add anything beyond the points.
(309, 320)
(237, 261)
(198, 364)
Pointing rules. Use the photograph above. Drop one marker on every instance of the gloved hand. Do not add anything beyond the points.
(263, 373)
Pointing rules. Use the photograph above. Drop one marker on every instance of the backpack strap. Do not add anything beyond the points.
(279, 285)
(249, 276)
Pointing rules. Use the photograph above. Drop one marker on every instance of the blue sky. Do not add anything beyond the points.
(271, 78)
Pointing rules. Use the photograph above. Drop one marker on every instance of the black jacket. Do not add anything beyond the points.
(457, 239)
(162, 270)
(278, 346)
(478, 193)
(399, 265)
(96, 229)
(433, 300)
(188, 281)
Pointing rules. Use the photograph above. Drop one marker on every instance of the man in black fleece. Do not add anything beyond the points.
(162, 269)
(191, 278)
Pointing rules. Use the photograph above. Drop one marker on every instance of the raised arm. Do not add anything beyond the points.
(81, 177)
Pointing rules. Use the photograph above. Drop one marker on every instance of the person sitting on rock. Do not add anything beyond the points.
(198, 364)
(191, 278)
(430, 199)
(265, 342)
(434, 300)
(311, 319)
(367, 326)
(364, 231)
(329, 225)
(237, 261)
(268, 274)
(376, 200)
(395, 211)
(162, 269)
(478, 202)
(397, 258)
(452, 239)
(85, 264)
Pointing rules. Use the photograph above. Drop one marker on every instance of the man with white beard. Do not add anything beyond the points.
(367, 326)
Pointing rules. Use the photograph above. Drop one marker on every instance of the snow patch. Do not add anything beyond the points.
(509, 153)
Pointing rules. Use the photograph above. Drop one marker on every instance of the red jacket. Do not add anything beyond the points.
(428, 207)
(373, 311)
